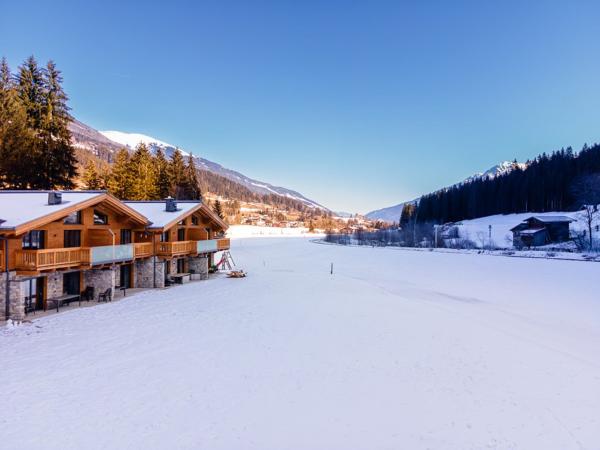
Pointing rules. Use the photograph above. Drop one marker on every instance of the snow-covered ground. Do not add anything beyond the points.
(244, 231)
(395, 350)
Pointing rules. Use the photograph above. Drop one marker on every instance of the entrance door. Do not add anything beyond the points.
(181, 265)
(33, 293)
(126, 276)
(72, 283)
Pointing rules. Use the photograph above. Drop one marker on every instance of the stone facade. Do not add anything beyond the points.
(101, 279)
(17, 303)
(144, 276)
(54, 286)
(198, 266)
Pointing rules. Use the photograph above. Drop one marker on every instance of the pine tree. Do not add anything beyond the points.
(217, 208)
(191, 183)
(120, 180)
(57, 156)
(163, 175)
(143, 172)
(177, 175)
(91, 178)
(16, 138)
(31, 91)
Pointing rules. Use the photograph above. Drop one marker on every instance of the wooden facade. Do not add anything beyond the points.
(95, 236)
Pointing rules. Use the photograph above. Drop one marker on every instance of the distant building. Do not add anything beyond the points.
(541, 230)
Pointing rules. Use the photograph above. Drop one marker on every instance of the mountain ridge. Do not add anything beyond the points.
(392, 213)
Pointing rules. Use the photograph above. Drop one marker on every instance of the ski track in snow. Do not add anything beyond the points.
(416, 350)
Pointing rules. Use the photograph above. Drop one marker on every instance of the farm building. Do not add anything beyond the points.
(536, 231)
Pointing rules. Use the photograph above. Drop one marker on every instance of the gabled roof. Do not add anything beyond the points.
(161, 219)
(24, 210)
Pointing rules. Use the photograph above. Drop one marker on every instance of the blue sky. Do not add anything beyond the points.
(358, 105)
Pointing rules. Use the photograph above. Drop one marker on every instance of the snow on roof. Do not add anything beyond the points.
(553, 218)
(20, 207)
(156, 211)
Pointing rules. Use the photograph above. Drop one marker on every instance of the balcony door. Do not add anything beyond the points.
(125, 237)
(125, 276)
(181, 234)
(33, 291)
(72, 238)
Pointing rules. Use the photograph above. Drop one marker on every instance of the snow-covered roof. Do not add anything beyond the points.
(547, 219)
(20, 207)
(157, 213)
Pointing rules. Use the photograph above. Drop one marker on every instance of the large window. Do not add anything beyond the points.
(194, 220)
(164, 237)
(100, 218)
(73, 218)
(34, 240)
(72, 238)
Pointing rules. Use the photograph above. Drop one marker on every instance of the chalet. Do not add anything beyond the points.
(184, 236)
(541, 230)
(56, 247)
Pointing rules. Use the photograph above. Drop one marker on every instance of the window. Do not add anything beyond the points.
(34, 240)
(164, 237)
(100, 218)
(181, 234)
(181, 222)
(73, 218)
(194, 220)
(72, 238)
(125, 237)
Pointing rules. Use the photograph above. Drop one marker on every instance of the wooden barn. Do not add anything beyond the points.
(536, 231)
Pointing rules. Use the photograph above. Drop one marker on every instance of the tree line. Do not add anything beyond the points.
(548, 183)
(35, 142)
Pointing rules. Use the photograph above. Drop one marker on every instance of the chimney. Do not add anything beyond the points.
(171, 205)
(54, 198)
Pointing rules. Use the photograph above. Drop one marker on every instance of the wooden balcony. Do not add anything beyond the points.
(223, 244)
(50, 259)
(143, 249)
(173, 249)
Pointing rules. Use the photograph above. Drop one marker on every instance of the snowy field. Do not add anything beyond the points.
(395, 350)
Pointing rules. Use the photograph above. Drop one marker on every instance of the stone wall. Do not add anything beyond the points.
(144, 273)
(101, 280)
(198, 265)
(54, 286)
(17, 302)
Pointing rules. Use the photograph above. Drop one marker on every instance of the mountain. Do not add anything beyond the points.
(105, 144)
(392, 213)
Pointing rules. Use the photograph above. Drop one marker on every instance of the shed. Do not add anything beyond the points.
(536, 231)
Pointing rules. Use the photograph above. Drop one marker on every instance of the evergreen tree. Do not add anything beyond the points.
(163, 175)
(91, 178)
(191, 183)
(217, 208)
(120, 180)
(16, 138)
(56, 156)
(177, 175)
(143, 172)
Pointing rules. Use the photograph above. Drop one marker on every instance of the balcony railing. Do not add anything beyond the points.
(111, 253)
(178, 248)
(143, 249)
(212, 245)
(56, 258)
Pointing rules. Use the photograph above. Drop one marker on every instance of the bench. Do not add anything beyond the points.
(63, 299)
(181, 278)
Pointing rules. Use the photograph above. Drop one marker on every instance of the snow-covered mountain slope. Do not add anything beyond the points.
(392, 213)
(260, 187)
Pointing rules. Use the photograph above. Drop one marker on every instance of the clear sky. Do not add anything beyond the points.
(358, 105)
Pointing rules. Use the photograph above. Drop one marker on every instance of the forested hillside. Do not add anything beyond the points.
(557, 182)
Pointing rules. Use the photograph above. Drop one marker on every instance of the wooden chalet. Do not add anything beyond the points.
(537, 231)
(57, 246)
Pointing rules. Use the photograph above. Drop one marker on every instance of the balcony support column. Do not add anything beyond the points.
(12, 297)
(198, 265)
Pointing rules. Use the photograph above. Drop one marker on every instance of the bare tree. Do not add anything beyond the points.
(586, 192)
